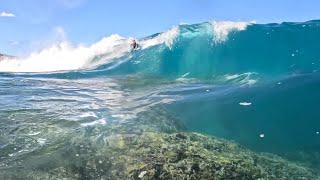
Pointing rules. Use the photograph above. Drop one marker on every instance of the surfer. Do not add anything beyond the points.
(134, 45)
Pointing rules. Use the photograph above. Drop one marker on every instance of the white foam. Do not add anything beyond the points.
(222, 29)
(64, 56)
(167, 38)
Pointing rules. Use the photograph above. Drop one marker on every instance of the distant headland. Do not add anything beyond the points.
(5, 56)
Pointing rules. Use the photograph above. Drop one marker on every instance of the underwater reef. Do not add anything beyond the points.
(154, 155)
(154, 146)
(144, 149)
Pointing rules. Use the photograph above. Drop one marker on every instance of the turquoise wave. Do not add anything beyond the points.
(259, 52)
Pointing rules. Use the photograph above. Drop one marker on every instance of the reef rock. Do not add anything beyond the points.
(154, 155)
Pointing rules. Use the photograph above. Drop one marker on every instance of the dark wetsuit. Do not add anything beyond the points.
(134, 45)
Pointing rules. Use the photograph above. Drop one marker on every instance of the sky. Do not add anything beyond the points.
(30, 25)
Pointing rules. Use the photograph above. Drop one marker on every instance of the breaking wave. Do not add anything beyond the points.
(243, 51)
(64, 56)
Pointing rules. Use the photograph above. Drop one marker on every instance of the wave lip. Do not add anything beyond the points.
(166, 38)
(222, 29)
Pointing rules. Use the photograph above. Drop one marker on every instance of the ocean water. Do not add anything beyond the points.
(254, 84)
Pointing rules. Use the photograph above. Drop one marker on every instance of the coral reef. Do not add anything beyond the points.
(152, 147)
(153, 155)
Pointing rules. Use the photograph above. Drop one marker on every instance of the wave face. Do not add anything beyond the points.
(216, 50)
(256, 84)
(227, 51)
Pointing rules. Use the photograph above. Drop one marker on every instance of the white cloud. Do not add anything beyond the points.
(7, 14)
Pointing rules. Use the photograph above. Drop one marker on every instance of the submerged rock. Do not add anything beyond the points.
(154, 155)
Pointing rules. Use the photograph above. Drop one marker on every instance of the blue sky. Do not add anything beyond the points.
(27, 25)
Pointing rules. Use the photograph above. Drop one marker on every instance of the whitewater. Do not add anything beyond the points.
(64, 56)
(219, 98)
